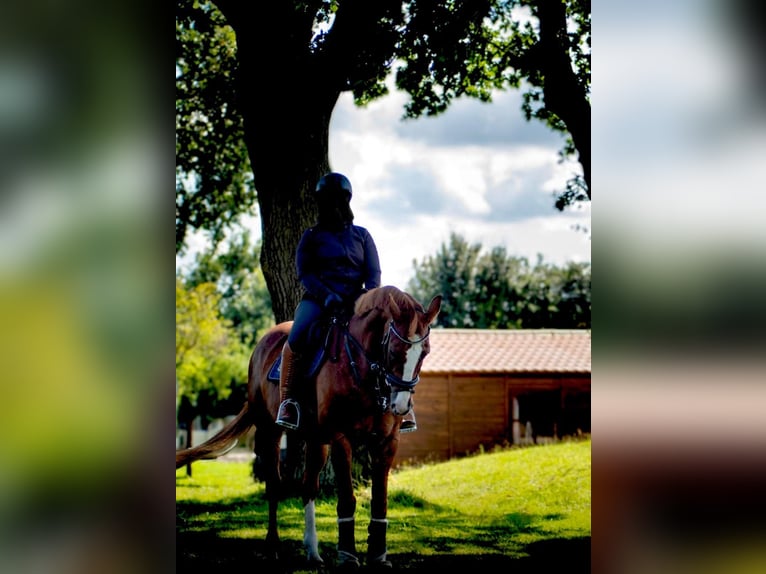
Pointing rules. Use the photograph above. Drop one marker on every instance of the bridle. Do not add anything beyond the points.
(382, 378)
(392, 379)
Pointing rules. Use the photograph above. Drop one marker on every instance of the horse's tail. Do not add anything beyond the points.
(219, 444)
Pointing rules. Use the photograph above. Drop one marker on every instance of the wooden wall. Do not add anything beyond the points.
(457, 414)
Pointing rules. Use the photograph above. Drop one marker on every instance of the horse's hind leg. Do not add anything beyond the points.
(341, 461)
(316, 457)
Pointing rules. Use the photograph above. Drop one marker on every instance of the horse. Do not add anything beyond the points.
(362, 388)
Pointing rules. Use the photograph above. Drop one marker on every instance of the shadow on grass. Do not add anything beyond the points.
(570, 555)
(210, 553)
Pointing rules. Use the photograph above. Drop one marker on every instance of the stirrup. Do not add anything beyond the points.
(283, 422)
(409, 423)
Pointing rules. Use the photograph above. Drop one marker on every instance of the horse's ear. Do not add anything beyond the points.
(433, 309)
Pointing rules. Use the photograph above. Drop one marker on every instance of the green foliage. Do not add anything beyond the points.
(236, 272)
(214, 183)
(209, 355)
(504, 503)
(575, 190)
(497, 291)
(224, 288)
(449, 272)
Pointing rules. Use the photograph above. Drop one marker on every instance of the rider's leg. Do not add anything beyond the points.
(293, 358)
(289, 412)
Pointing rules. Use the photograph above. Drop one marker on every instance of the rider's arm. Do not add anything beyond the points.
(371, 262)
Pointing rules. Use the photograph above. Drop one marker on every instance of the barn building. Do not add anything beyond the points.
(480, 388)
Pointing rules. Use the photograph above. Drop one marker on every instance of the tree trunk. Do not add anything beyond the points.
(189, 424)
(564, 95)
(285, 192)
(286, 105)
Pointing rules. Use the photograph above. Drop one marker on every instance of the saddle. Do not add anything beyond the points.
(325, 338)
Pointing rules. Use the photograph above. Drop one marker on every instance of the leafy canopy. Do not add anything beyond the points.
(214, 182)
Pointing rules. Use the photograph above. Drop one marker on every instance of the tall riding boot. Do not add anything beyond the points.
(409, 424)
(289, 415)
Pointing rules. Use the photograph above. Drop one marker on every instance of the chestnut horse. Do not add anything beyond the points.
(362, 391)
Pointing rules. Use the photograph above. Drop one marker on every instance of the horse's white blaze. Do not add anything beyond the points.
(310, 540)
(401, 399)
(413, 356)
(401, 402)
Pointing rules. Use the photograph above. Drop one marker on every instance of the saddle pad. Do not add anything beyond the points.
(273, 375)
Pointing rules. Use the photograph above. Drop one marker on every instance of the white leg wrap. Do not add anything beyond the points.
(310, 533)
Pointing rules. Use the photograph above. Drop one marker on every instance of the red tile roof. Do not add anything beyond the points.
(508, 351)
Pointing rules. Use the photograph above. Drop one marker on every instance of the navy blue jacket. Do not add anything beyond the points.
(344, 262)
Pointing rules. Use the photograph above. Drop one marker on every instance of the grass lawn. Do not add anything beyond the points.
(526, 509)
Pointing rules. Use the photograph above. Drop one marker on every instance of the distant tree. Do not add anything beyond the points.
(498, 299)
(209, 355)
(234, 268)
(451, 272)
(575, 295)
(557, 297)
(498, 291)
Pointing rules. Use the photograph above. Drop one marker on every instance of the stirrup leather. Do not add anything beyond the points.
(285, 423)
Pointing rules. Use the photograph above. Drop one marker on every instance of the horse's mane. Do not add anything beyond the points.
(381, 297)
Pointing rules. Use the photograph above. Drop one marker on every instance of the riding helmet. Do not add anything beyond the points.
(332, 184)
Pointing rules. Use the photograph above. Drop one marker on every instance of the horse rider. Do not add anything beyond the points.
(336, 262)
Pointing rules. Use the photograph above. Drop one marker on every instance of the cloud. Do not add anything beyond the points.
(472, 122)
(411, 190)
(479, 170)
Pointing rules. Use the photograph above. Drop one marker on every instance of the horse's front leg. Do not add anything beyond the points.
(316, 457)
(341, 461)
(382, 454)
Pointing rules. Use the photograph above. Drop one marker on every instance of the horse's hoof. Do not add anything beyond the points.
(349, 566)
(347, 561)
(380, 565)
